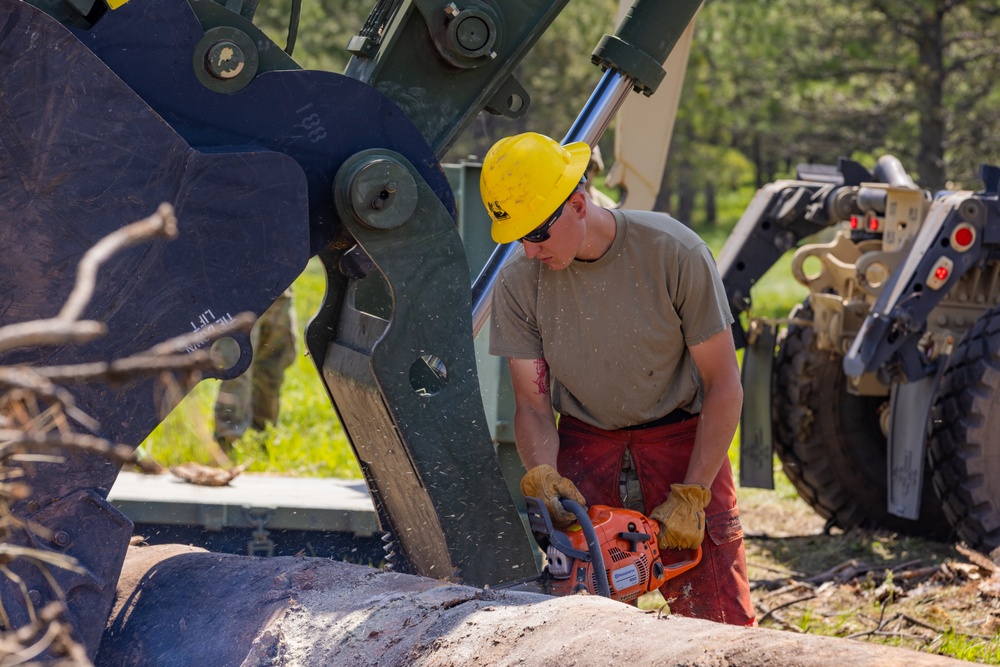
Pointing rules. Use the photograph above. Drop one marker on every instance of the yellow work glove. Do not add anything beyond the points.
(544, 483)
(682, 516)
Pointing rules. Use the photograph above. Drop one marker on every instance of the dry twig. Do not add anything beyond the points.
(978, 559)
(793, 586)
(65, 327)
(778, 619)
(769, 612)
(840, 573)
(34, 407)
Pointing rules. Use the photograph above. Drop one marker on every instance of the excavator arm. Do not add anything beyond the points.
(106, 110)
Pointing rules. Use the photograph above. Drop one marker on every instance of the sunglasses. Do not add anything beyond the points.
(541, 234)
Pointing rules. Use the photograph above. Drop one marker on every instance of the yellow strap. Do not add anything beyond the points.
(115, 4)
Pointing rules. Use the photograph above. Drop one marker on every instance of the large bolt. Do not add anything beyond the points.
(34, 596)
(61, 538)
(380, 192)
(225, 60)
(473, 33)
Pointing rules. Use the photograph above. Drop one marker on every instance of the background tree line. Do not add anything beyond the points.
(770, 84)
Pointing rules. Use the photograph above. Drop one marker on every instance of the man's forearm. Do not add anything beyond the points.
(720, 415)
(536, 437)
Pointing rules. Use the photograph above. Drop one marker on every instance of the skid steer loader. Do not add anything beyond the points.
(880, 395)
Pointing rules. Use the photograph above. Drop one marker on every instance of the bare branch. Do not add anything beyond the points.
(56, 559)
(917, 621)
(19, 442)
(29, 379)
(241, 322)
(840, 573)
(49, 629)
(34, 426)
(162, 224)
(126, 369)
(47, 333)
(771, 611)
(65, 327)
(169, 355)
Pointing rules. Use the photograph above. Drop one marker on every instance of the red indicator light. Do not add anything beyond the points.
(873, 224)
(938, 277)
(964, 236)
(854, 222)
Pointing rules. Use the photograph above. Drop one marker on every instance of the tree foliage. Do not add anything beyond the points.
(770, 84)
(792, 81)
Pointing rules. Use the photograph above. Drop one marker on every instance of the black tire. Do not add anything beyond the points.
(965, 448)
(831, 444)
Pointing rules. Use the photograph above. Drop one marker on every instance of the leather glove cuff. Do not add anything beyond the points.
(682, 516)
(695, 495)
(544, 483)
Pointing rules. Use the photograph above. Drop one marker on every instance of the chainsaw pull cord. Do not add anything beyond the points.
(593, 545)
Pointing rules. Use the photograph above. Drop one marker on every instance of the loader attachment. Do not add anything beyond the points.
(779, 216)
(81, 156)
(950, 242)
(109, 109)
(103, 119)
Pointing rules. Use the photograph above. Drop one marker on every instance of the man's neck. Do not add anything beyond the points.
(600, 234)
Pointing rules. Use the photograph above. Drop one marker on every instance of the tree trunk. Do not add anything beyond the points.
(663, 197)
(929, 79)
(178, 605)
(758, 162)
(685, 194)
(711, 209)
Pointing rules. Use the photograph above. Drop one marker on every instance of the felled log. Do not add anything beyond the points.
(184, 606)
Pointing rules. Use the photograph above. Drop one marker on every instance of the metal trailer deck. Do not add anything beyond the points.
(262, 515)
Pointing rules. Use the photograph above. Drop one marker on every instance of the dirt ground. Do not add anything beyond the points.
(874, 587)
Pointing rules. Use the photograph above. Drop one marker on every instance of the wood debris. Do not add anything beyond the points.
(202, 475)
(984, 563)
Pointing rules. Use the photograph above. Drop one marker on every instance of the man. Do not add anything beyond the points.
(252, 399)
(618, 321)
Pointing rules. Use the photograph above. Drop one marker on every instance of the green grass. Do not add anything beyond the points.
(968, 648)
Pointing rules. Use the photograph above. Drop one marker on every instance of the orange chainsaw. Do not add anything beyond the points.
(609, 551)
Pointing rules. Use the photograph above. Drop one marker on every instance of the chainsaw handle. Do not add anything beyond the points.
(593, 545)
(675, 569)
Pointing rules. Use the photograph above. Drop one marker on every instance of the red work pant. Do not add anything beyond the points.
(717, 589)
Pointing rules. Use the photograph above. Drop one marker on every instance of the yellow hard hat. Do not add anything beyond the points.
(524, 180)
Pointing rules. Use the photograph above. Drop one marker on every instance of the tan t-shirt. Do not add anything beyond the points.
(615, 331)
